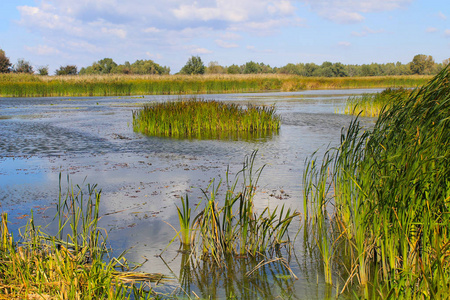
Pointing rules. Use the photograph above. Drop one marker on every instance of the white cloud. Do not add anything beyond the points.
(43, 50)
(447, 32)
(115, 31)
(442, 16)
(201, 51)
(351, 11)
(344, 44)
(224, 44)
(152, 30)
(431, 29)
(366, 31)
(257, 50)
(153, 56)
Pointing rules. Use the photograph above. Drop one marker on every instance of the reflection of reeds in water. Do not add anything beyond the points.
(241, 278)
(195, 118)
(73, 263)
(25, 85)
(389, 193)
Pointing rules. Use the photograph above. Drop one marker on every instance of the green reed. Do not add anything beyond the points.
(372, 105)
(233, 228)
(26, 85)
(195, 118)
(74, 263)
(389, 191)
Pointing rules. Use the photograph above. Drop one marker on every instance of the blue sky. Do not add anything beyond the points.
(275, 32)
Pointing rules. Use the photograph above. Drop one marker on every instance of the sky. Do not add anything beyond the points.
(56, 33)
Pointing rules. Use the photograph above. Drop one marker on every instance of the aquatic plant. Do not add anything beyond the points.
(371, 105)
(388, 190)
(25, 85)
(234, 229)
(200, 118)
(74, 263)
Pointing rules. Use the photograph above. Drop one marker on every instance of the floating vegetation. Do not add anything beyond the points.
(379, 204)
(371, 105)
(234, 229)
(194, 118)
(71, 264)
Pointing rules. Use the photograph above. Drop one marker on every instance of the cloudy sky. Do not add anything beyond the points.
(275, 32)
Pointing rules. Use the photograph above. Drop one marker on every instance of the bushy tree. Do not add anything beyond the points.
(215, 68)
(67, 70)
(43, 70)
(234, 69)
(252, 68)
(5, 64)
(194, 66)
(23, 66)
(148, 67)
(422, 64)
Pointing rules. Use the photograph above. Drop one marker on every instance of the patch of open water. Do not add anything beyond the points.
(142, 178)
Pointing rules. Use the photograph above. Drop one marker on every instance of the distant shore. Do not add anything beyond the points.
(24, 85)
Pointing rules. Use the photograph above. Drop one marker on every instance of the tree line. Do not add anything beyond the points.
(421, 64)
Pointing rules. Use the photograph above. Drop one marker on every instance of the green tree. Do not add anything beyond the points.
(194, 66)
(148, 67)
(67, 70)
(43, 70)
(215, 68)
(5, 64)
(252, 68)
(234, 69)
(290, 68)
(422, 64)
(23, 66)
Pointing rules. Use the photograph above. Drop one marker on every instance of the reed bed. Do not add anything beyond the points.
(371, 105)
(233, 229)
(383, 197)
(18, 85)
(74, 263)
(195, 118)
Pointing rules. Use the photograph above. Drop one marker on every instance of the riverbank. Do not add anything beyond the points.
(22, 85)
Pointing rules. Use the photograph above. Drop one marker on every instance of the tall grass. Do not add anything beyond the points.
(234, 228)
(201, 118)
(74, 263)
(371, 105)
(16, 85)
(389, 194)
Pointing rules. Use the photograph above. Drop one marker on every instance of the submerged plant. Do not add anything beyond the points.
(201, 118)
(390, 197)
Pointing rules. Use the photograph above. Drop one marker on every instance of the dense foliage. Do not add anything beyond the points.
(5, 64)
(194, 66)
(139, 67)
(379, 203)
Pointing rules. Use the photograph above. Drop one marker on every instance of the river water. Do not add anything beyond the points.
(91, 140)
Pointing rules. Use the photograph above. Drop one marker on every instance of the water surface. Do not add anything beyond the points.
(142, 178)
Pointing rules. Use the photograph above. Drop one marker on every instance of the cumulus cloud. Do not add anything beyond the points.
(351, 11)
(447, 32)
(431, 29)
